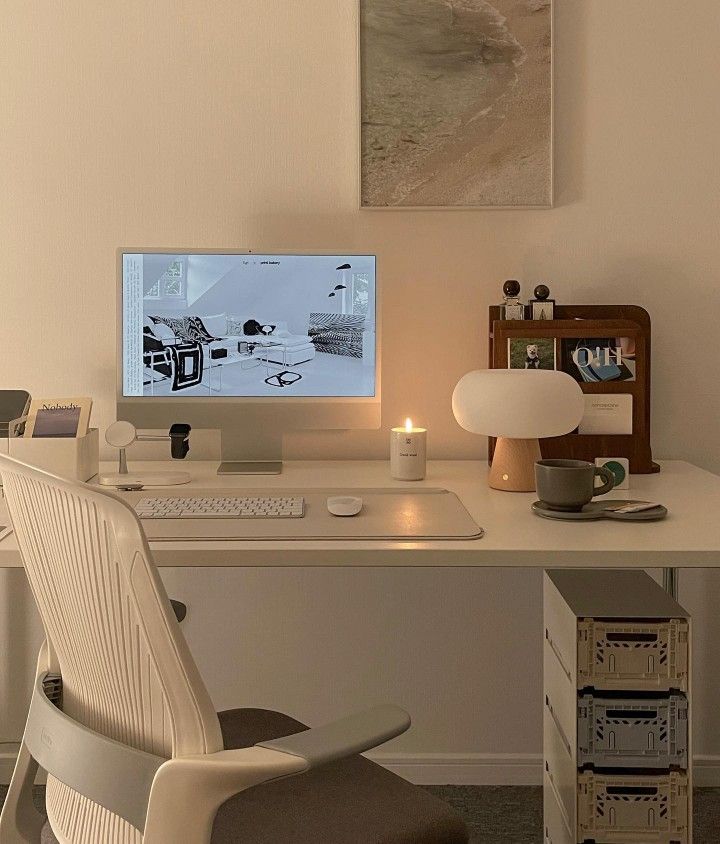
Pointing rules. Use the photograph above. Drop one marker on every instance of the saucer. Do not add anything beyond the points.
(599, 510)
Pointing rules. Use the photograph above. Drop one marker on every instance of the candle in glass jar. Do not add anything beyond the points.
(407, 452)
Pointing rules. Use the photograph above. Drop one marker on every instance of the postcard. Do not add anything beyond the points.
(607, 413)
(531, 353)
(599, 359)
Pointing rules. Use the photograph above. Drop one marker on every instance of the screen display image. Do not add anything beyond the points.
(244, 325)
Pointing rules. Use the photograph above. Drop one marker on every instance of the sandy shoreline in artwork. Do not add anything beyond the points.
(456, 102)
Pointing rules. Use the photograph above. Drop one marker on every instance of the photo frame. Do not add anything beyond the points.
(532, 353)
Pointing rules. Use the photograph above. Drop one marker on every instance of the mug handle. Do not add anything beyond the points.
(608, 477)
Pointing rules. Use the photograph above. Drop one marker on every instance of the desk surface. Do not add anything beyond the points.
(514, 536)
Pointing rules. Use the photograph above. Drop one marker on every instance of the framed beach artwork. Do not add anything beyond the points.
(456, 103)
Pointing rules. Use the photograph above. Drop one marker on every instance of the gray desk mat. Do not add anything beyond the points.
(387, 514)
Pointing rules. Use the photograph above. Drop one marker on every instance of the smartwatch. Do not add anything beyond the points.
(179, 440)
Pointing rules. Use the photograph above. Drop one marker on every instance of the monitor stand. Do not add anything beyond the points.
(259, 453)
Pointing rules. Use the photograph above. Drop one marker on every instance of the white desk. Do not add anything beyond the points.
(514, 537)
(689, 537)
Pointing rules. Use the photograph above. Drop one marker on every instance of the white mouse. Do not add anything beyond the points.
(344, 505)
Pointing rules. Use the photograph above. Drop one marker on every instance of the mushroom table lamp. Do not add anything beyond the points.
(519, 407)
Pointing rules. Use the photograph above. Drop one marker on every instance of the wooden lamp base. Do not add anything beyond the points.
(513, 465)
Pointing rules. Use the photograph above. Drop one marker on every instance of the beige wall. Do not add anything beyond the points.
(235, 124)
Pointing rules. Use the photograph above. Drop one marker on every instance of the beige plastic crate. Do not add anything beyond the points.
(616, 809)
(633, 655)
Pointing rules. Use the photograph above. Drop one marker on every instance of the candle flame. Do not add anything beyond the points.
(408, 425)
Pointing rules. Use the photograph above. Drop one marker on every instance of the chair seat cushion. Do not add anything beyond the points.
(353, 801)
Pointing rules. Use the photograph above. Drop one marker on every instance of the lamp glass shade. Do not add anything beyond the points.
(517, 403)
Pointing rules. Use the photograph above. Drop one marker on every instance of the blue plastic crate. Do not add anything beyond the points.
(633, 732)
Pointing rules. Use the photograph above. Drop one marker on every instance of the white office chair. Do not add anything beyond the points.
(123, 725)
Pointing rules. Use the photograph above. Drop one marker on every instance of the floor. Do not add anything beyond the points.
(513, 815)
(499, 814)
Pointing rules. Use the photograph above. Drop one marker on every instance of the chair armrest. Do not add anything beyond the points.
(346, 737)
(188, 790)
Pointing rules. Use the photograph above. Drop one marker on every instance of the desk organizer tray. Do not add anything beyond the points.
(621, 809)
(633, 655)
(387, 514)
(596, 510)
(622, 732)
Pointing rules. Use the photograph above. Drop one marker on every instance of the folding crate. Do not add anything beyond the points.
(632, 655)
(615, 809)
(632, 732)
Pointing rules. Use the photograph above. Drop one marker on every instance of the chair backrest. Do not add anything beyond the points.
(126, 669)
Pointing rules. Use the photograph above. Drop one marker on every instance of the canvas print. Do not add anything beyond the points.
(531, 353)
(599, 359)
(456, 103)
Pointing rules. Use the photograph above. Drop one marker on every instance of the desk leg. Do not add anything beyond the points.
(670, 581)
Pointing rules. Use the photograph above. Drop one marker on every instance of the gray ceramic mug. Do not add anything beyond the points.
(570, 484)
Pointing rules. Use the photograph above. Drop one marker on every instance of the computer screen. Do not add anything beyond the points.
(206, 324)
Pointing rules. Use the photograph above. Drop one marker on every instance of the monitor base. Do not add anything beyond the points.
(250, 467)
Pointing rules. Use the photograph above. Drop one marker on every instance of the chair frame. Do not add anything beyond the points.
(166, 799)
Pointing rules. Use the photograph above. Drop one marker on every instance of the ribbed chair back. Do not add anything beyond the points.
(126, 669)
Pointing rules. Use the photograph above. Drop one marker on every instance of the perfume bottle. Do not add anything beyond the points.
(512, 307)
(542, 307)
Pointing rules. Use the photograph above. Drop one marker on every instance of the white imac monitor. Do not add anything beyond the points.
(251, 344)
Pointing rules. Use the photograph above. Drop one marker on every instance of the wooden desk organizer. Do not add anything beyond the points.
(590, 321)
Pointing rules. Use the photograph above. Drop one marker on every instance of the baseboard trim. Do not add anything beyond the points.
(463, 769)
(8, 755)
(706, 771)
(419, 768)
(499, 769)
(449, 768)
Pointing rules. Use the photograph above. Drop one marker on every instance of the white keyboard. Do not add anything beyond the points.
(247, 507)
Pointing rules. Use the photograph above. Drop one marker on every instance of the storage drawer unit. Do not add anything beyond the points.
(560, 770)
(631, 732)
(617, 731)
(555, 825)
(616, 809)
